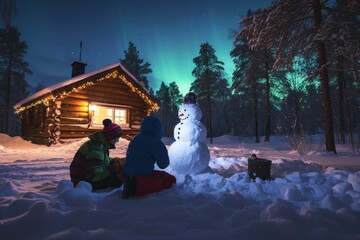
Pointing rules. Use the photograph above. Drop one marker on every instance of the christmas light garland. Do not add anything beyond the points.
(113, 75)
(154, 105)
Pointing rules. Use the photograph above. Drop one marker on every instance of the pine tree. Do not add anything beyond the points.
(136, 65)
(208, 72)
(12, 69)
(8, 11)
(163, 97)
(169, 98)
(246, 78)
(221, 108)
(295, 28)
(341, 30)
(176, 99)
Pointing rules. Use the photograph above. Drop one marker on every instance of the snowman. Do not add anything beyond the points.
(189, 153)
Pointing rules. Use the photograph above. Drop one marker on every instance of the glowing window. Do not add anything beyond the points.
(118, 115)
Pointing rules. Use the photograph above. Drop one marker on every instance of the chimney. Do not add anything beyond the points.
(78, 68)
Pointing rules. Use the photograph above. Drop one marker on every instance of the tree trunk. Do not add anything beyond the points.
(351, 131)
(210, 120)
(324, 80)
(227, 121)
(267, 96)
(8, 89)
(256, 117)
(341, 82)
(297, 119)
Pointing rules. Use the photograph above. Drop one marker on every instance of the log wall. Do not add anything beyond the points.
(68, 118)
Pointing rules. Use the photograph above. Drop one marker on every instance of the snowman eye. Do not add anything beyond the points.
(184, 110)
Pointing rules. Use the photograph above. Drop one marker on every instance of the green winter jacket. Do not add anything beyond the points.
(91, 161)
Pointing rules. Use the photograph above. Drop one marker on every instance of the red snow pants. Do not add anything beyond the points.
(155, 182)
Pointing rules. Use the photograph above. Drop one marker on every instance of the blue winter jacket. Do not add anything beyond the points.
(146, 149)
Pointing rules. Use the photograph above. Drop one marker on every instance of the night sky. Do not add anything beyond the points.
(167, 34)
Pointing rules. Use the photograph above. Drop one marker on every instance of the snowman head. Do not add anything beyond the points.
(189, 112)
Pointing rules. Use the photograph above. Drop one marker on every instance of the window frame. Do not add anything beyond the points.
(114, 107)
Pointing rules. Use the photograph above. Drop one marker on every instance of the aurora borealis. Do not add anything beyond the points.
(167, 34)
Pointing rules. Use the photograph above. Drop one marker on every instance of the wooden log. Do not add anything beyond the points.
(82, 134)
(75, 128)
(74, 101)
(74, 115)
(30, 130)
(73, 120)
(35, 133)
(128, 134)
(107, 98)
(106, 91)
(259, 167)
(108, 88)
(74, 108)
(37, 140)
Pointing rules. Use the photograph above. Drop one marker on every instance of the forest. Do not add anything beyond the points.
(296, 74)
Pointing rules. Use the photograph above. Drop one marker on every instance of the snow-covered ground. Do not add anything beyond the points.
(315, 196)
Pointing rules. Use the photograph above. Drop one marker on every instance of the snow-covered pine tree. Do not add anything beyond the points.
(264, 58)
(293, 28)
(341, 31)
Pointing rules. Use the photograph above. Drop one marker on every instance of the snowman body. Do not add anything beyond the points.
(189, 153)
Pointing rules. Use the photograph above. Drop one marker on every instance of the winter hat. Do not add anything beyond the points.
(111, 130)
(190, 98)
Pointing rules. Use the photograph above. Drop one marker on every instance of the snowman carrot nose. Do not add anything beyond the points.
(181, 114)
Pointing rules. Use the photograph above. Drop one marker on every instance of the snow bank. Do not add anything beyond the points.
(303, 200)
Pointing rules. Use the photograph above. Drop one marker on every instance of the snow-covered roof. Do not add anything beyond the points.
(50, 89)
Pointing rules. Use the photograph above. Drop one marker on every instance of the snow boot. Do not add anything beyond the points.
(129, 187)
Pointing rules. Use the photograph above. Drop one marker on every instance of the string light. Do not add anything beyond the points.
(113, 75)
(154, 106)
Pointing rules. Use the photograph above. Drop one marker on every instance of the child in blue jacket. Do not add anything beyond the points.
(144, 151)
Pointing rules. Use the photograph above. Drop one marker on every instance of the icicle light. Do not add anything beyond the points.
(112, 75)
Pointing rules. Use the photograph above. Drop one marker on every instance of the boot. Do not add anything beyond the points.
(129, 187)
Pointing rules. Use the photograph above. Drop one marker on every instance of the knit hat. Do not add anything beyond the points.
(190, 98)
(111, 130)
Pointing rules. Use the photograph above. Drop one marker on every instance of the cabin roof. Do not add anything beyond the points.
(48, 91)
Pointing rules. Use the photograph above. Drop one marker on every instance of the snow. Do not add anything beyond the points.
(315, 196)
(189, 157)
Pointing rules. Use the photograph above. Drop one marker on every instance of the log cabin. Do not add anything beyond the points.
(75, 108)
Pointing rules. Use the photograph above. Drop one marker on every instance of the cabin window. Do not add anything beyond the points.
(118, 115)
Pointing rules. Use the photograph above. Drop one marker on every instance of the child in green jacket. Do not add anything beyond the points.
(92, 163)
